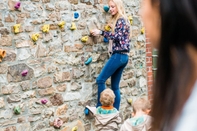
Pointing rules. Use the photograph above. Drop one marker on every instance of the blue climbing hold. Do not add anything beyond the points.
(88, 61)
(76, 15)
(86, 111)
(106, 8)
(105, 40)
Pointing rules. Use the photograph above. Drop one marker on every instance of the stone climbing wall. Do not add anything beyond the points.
(52, 69)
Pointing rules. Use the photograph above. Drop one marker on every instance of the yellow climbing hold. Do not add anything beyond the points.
(75, 128)
(84, 39)
(130, 18)
(107, 28)
(16, 28)
(129, 101)
(35, 37)
(73, 26)
(45, 28)
(143, 30)
(61, 24)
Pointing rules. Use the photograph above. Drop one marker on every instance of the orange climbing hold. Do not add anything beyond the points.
(2, 54)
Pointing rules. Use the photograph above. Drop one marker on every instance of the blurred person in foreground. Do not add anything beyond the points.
(171, 26)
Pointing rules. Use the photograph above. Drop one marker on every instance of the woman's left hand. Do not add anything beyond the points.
(95, 32)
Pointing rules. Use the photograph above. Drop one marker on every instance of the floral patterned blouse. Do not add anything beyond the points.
(120, 37)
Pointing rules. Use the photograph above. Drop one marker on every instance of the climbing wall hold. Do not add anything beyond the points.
(129, 101)
(107, 28)
(106, 8)
(88, 61)
(17, 110)
(62, 24)
(84, 39)
(16, 28)
(86, 111)
(130, 18)
(76, 15)
(24, 72)
(73, 26)
(75, 128)
(45, 28)
(143, 30)
(105, 40)
(35, 36)
(17, 5)
(44, 101)
(57, 123)
(2, 54)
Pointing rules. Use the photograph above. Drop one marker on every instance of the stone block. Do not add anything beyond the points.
(10, 128)
(14, 98)
(61, 87)
(3, 68)
(62, 77)
(9, 18)
(73, 1)
(5, 40)
(72, 96)
(10, 89)
(57, 100)
(2, 102)
(46, 92)
(61, 110)
(4, 32)
(10, 55)
(45, 82)
(14, 73)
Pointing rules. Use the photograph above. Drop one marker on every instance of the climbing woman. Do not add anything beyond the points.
(120, 37)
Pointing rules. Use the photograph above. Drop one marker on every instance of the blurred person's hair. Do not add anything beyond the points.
(107, 97)
(175, 76)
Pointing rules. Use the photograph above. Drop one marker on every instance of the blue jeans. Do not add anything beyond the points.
(114, 68)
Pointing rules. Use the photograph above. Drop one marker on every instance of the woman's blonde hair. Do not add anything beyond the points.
(107, 97)
(120, 14)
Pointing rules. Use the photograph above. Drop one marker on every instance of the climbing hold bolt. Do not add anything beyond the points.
(75, 128)
(76, 15)
(106, 8)
(17, 5)
(2, 54)
(107, 28)
(24, 72)
(88, 61)
(44, 101)
(73, 26)
(17, 110)
(143, 30)
(45, 28)
(86, 111)
(130, 20)
(105, 40)
(16, 28)
(129, 101)
(35, 36)
(84, 39)
(57, 123)
(62, 24)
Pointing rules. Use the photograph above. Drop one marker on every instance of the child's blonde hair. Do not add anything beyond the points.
(141, 104)
(107, 97)
(120, 14)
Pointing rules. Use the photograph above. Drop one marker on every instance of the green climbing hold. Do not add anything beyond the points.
(17, 110)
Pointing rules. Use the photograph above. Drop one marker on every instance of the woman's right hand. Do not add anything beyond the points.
(95, 32)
